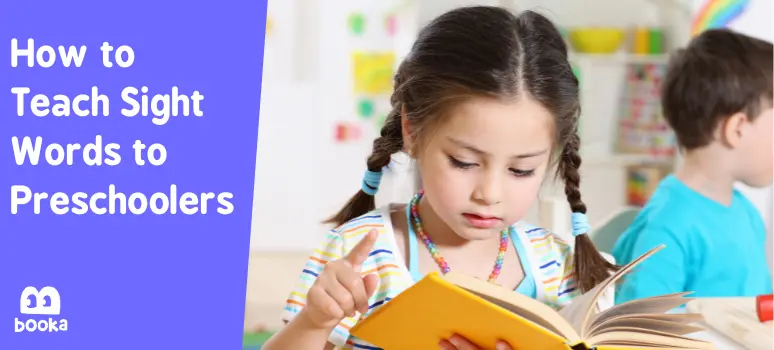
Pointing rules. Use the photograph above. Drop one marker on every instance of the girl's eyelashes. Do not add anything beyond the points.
(460, 164)
(464, 165)
(523, 173)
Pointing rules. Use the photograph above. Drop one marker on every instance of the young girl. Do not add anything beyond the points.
(487, 104)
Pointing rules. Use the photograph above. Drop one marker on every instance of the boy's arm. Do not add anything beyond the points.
(663, 273)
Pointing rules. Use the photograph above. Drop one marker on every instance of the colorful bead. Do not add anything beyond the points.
(434, 252)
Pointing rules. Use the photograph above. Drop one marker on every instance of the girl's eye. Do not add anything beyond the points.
(460, 164)
(522, 173)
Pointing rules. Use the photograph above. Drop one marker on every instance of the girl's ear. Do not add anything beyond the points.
(405, 132)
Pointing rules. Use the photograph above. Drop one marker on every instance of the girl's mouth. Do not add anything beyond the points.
(482, 221)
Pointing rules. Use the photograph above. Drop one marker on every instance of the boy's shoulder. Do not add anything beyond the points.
(679, 207)
(745, 203)
(675, 215)
(673, 204)
(750, 213)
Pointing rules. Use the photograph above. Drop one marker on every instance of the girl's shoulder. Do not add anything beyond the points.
(542, 241)
(351, 232)
(551, 260)
(386, 258)
(361, 225)
(554, 265)
(383, 261)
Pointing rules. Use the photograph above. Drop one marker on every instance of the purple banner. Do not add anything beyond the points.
(129, 132)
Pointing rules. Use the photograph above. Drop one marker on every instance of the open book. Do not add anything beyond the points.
(438, 306)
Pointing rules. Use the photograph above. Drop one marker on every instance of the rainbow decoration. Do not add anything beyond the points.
(717, 14)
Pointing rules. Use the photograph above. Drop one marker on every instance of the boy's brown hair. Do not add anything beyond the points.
(721, 72)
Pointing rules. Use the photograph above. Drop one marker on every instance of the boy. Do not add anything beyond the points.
(717, 97)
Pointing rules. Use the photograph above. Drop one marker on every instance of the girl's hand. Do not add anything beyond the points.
(340, 291)
(457, 342)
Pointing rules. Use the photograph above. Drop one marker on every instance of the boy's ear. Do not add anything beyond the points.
(733, 129)
(406, 133)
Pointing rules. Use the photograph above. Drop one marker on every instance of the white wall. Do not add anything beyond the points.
(757, 21)
(302, 176)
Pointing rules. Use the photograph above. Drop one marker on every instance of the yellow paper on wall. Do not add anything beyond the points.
(373, 72)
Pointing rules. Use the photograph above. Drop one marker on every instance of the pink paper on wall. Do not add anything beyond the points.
(391, 25)
(345, 132)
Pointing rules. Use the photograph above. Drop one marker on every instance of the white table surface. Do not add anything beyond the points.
(720, 341)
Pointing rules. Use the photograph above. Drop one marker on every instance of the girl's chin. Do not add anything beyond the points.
(472, 233)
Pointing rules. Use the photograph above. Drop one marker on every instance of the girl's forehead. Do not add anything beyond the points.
(492, 122)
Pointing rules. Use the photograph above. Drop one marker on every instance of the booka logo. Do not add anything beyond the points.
(43, 302)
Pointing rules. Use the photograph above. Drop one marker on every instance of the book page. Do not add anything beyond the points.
(646, 317)
(654, 305)
(581, 308)
(520, 311)
(684, 319)
(646, 325)
(524, 306)
(576, 312)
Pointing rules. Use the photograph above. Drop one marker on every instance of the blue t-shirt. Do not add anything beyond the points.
(711, 249)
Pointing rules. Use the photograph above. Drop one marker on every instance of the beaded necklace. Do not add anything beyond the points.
(434, 252)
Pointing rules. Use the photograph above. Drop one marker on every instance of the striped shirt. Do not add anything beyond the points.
(550, 262)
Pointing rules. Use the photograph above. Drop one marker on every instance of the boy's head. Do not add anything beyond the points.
(717, 96)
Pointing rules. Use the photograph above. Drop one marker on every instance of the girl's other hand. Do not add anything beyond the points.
(457, 342)
(340, 291)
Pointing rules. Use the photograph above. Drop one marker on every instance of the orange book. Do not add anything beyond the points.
(439, 306)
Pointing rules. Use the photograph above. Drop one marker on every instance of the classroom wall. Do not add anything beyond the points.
(303, 176)
(757, 21)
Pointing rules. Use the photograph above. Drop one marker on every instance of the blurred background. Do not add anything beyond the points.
(326, 85)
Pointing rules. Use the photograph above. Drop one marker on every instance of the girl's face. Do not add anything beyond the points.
(482, 167)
